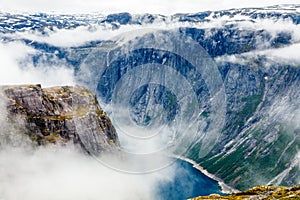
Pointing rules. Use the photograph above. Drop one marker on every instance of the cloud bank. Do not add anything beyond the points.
(17, 67)
(285, 56)
(65, 174)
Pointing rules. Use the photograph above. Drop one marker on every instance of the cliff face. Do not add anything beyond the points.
(61, 115)
(259, 142)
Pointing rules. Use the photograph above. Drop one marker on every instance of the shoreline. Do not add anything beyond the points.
(226, 189)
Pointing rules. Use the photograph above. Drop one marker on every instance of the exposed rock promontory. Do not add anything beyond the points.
(60, 115)
(260, 192)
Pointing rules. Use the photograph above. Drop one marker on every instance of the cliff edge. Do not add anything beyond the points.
(60, 115)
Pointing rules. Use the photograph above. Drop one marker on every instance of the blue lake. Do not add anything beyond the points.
(187, 183)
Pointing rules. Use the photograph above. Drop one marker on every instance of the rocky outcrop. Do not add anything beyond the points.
(61, 115)
(260, 192)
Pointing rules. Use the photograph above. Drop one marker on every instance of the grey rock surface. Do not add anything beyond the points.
(60, 115)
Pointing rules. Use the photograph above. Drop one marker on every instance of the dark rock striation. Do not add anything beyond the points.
(61, 115)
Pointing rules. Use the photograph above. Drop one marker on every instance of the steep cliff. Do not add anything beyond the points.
(60, 115)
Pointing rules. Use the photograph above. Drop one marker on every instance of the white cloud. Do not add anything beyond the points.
(132, 6)
(273, 27)
(64, 174)
(77, 36)
(287, 55)
(16, 67)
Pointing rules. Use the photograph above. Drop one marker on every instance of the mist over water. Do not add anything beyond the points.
(64, 172)
(56, 172)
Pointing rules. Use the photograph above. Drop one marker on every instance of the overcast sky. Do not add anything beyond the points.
(132, 6)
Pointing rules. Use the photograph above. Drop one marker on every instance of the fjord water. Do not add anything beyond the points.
(188, 182)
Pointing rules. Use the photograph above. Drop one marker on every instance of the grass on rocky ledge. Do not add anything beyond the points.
(261, 193)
